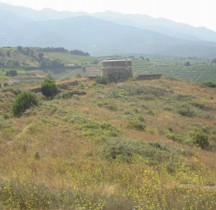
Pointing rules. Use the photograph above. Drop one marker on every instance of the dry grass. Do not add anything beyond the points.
(69, 147)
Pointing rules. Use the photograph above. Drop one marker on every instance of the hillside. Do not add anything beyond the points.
(39, 58)
(31, 65)
(121, 146)
(103, 34)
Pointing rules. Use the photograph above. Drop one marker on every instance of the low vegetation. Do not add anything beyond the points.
(210, 84)
(24, 101)
(49, 88)
(101, 80)
(129, 145)
(200, 138)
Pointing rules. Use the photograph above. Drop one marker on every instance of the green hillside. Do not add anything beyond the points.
(31, 64)
(61, 63)
(131, 145)
(24, 57)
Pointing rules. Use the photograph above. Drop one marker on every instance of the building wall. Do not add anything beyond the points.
(117, 70)
(149, 77)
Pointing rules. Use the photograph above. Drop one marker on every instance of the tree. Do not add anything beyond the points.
(46, 63)
(213, 61)
(49, 88)
(11, 73)
(40, 56)
(19, 48)
(24, 101)
(8, 53)
(187, 63)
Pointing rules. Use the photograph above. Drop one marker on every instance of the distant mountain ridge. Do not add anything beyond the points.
(103, 33)
(160, 25)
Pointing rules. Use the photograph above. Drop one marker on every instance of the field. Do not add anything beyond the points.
(198, 70)
(130, 145)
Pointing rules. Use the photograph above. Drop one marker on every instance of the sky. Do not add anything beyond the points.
(193, 12)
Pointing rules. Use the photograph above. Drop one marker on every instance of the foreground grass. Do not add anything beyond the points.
(121, 146)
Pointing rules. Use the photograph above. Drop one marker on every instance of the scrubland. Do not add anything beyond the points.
(131, 145)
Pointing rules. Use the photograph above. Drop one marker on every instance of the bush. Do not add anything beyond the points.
(175, 137)
(210, 84)
(101, 80)
(24, 101)
(130, 150)
(186, 111)
(11, 73)
(49, 88)
(140, 126)
(112, 107)
(200, 138)
(187, 63)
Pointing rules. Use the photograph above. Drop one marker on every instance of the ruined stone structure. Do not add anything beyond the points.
(117, 70)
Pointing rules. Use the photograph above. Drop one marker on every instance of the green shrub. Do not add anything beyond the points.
(200, 138)
(91, 128)
(137, 125)
(186, 111)
(175, 137)
(14, 195)
(200, 106)
(210, 84)
(49, 88)
(24, 101)
(187, 63)
(101, 80)
(130, 150)
(112, 107)
(184, 97)
(11, 73)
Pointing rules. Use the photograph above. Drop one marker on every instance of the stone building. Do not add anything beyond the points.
(149, 76)
(117, 70)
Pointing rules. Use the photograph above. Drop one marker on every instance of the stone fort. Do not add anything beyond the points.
(117, 70)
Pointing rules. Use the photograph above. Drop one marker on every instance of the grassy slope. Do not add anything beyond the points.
(15, 55)
(12, 54)
(9, 55)
(67, 58)
(120, 146)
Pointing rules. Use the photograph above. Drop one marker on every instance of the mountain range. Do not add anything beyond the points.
(104, 33)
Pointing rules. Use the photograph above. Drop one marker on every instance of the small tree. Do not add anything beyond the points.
(49, 88)
(187, 63)
(24, 101)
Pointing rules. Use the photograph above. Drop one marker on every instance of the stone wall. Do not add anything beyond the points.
(117, 70)
(149, 76)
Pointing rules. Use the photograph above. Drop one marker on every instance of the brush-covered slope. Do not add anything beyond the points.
(120, 146)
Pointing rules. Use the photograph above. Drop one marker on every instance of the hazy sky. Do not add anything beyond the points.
(194, 12)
